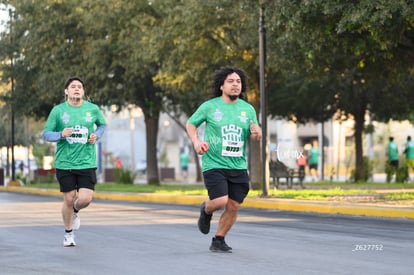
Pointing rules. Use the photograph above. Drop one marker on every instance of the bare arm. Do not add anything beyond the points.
(192, 134)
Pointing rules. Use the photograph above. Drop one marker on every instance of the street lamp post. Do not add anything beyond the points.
(262, 61)
(13, 168)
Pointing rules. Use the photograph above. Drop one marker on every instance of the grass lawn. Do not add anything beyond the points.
(315, 191)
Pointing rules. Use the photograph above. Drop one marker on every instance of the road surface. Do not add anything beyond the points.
(118, 237)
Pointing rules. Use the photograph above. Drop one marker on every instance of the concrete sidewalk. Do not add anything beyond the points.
(323, 207)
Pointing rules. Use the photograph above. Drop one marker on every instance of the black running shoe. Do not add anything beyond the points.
(204, 220)
(219, 245)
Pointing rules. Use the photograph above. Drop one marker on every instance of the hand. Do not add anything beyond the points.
(92, 139)
(255, 131)
(67, 132)
(201, 147)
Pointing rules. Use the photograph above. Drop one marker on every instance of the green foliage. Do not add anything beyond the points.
(358, 54)
(322, 191)
(402, 174)
(124, 176)
(323, 57)
(21, 177)
(368, 171)
(41, 150)
(390, 171)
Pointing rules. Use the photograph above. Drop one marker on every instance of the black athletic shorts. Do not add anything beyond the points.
(394, 163)
(70, 180)
(313, 166)
(222, 182)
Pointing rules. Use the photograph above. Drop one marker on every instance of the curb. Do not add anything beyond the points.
(341, 208)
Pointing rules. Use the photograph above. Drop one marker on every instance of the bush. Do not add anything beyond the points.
(402, 174)
(368, 170)
(124, 176)
(389, 171)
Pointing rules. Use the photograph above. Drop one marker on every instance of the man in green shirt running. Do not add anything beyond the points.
(71, 125)
(229, 121)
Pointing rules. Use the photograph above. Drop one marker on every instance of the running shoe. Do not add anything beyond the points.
(219, 245)
(69, 240)
(76, 221)
(204, 219)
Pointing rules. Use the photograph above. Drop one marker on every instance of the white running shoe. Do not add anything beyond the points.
(76, 221)
(69, 239)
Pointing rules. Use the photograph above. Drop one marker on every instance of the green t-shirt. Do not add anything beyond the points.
(75, 152)
(227, 128)
(409, 147)
(313, 156)
(184, 159)
(392, 151)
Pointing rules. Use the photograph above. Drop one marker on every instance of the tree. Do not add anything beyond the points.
(103, 42)
(196, 38)
(357, 52)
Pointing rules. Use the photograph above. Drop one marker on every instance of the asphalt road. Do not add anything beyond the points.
(118, 237)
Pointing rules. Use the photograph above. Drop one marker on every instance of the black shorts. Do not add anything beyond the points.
(70, 180)
(394, 163)
(313, 166)
(222, 182)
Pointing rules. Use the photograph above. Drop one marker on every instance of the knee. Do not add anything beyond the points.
(69, 198)
(84, 201)
(218, 203)
(232, 206)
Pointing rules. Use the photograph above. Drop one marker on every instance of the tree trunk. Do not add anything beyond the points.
(199, 177)
(359, 130)
(255, 163)
(151, 127)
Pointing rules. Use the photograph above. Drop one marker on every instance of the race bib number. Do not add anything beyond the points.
(232, 148)
(79, 135)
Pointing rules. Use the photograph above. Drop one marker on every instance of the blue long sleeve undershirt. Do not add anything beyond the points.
(55, 136)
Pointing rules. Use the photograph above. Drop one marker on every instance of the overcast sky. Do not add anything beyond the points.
(4, 16)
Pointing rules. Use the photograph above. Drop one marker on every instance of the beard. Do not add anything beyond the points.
(233, 97)
(75, 99)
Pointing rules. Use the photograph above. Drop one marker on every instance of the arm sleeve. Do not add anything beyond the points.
(99, 131)
(51, 136)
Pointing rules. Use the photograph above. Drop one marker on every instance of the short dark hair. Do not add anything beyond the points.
(71, 79)
(218, 80)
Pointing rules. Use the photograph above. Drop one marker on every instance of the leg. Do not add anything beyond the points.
(84, 198)
(206, 212)
(228, 218)
(67, 208)
(216, 204)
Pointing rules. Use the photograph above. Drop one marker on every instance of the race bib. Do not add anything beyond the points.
(79, 135)
(232, 148)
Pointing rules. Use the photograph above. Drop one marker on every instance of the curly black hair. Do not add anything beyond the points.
(218, 80)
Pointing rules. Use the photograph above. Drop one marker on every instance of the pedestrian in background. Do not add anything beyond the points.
(392, 158)
(75, 125)
(184, 161)
(392, 153)
(313, 161)
(409, 155)
(302, 162)
(229, 121)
